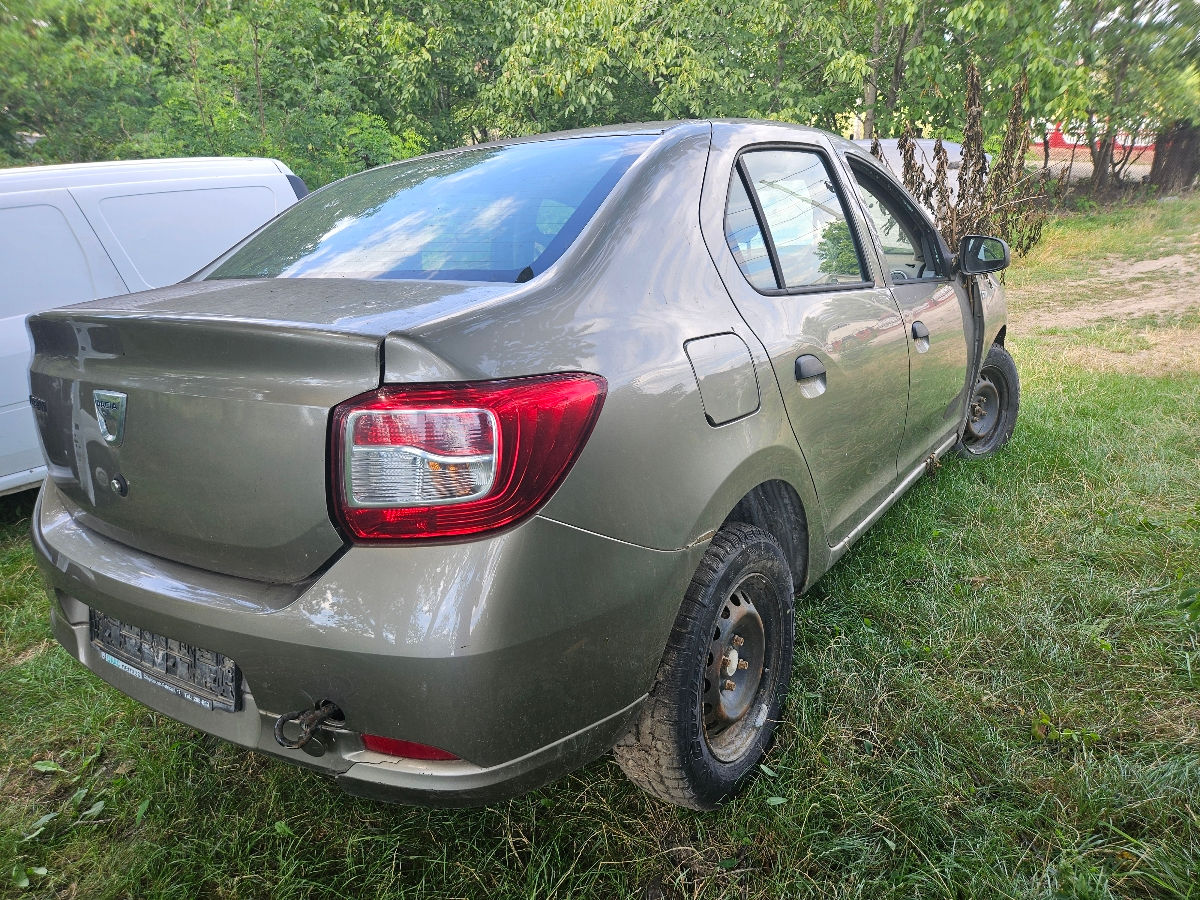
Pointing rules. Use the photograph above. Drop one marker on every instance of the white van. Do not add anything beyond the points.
(80, 232)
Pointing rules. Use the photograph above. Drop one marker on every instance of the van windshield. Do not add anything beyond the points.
(491, 214)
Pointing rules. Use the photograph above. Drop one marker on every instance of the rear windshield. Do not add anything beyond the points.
(492, 214)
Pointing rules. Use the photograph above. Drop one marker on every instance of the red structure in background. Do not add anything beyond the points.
(1076, 139)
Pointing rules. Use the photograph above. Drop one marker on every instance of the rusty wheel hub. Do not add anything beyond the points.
(985, 410)
(733, 675)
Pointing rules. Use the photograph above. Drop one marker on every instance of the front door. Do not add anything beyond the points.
(936, 314)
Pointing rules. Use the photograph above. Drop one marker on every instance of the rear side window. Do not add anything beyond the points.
(745, 237)
(491, 214)
(803, 225)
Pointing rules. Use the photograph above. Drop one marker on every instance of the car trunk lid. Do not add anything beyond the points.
(195, 437)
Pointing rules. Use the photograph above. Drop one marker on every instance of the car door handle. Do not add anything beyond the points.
(920, 332)
(808, 367)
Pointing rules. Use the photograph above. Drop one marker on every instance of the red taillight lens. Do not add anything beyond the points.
(407, 749)
(449, 460)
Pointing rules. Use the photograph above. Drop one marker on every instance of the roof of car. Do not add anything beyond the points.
(635, 128)
(28, 178)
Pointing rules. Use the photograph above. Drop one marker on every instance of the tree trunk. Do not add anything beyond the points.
(780, 68)
(1100, 147)
(893, 91)
(1176, 157)
(1112, 173)
(262, 114)
(871, 92)
(1102, 154)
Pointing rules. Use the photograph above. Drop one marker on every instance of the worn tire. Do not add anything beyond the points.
(681, 748)
(994, 404)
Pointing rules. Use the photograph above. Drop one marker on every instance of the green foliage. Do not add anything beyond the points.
(328, 89)
(570, 63)
(331, 86)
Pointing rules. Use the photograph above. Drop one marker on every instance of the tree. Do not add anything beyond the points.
(1131, 74)
(572, 63)
(331, 86)
(67, 78)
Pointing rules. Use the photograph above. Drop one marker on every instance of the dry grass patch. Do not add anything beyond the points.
(1104, 245)
(1168, 351)
(1115, 294)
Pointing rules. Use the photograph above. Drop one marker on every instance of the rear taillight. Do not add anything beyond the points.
(455, 459)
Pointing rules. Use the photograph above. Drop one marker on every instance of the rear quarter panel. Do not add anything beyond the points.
(637, 285)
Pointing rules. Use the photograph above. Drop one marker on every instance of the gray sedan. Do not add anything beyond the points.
(467, 469)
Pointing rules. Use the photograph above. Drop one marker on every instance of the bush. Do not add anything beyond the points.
(1010, 203)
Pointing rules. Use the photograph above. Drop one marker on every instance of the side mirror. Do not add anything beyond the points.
(978, 255)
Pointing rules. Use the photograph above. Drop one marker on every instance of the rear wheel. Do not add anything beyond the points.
(992, 415)
(719, 690)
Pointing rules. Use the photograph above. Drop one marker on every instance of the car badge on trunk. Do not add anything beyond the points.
(110, 415)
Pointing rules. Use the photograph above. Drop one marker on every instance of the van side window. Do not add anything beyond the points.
(805, 219)
(215, 218)
(35, 237)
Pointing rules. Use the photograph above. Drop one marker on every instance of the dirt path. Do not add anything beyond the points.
(1137, 317)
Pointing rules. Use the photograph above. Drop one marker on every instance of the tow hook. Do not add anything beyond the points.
(309, 721)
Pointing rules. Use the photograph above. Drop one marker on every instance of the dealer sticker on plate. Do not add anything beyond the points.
(199, 676)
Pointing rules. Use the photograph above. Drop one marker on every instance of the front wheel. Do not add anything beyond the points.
(992, 414)
(719, 690)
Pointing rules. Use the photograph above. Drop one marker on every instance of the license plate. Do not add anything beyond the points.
(199, 676)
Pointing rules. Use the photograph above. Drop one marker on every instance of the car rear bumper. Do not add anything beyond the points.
(526, 654)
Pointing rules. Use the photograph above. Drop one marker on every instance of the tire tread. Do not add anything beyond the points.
(649, 752)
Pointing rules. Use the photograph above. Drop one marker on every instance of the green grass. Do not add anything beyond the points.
(996, 694)
(1075, 245)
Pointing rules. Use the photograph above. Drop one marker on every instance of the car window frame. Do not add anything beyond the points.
(737, 170)
(888, 185)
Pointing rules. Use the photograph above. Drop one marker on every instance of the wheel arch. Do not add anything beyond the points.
(777, 508)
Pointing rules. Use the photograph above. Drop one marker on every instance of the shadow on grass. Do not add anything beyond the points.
(15, 511)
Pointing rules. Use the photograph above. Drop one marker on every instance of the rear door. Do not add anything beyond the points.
(795, 265)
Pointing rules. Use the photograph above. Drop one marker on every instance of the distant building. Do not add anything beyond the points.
(1074, 137)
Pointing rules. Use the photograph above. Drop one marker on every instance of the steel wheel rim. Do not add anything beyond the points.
(737, 678)
(987, 408)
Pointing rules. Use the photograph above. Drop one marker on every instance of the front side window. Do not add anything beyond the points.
(908, 247)
(808, 232)
(487, 214)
